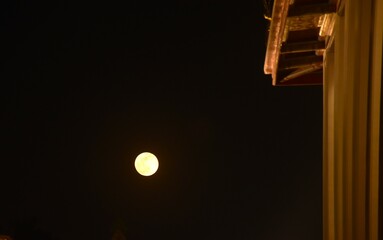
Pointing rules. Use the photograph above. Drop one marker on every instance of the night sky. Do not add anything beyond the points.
(87, 87)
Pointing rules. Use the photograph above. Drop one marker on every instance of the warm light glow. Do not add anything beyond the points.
(146, 164)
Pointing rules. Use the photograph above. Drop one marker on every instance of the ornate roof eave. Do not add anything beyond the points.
(298, 35)
(277, 25)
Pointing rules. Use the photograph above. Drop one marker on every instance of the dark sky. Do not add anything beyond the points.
(85, 88)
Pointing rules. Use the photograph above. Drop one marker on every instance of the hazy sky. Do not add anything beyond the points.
(87, 87)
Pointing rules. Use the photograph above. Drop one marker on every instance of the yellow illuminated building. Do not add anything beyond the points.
(338, 44)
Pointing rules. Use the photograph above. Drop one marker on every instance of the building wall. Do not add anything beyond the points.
(352, 86)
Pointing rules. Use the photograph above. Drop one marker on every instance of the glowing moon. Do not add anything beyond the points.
(146, 164)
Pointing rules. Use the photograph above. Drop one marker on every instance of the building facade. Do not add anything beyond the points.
(343, 51)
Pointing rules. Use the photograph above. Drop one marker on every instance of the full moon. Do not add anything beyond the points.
(146, 164)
